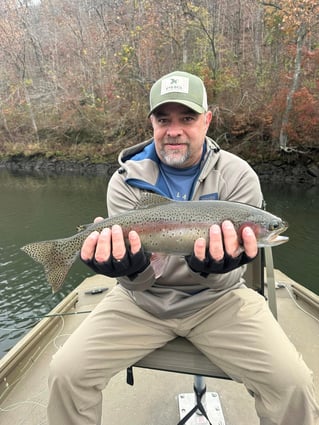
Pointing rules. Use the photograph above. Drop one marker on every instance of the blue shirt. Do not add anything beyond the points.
(177, 183)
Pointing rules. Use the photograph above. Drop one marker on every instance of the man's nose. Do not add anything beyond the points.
(174, 129)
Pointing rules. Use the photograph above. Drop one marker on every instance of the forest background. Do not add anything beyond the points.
(75, 74)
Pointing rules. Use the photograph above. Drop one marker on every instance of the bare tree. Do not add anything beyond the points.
(298, 18)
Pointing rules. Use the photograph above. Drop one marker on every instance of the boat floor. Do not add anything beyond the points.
(153, 400)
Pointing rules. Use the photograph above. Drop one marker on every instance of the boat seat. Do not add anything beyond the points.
(181, 356)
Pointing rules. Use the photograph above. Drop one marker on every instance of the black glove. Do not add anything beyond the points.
(209, 265)
(130, 265)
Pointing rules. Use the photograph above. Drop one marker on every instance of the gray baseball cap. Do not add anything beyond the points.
(179, 87)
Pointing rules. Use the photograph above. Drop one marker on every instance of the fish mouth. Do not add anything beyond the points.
(274, 237)
(275, 240)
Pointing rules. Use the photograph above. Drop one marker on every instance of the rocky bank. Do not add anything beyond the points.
(290, 168)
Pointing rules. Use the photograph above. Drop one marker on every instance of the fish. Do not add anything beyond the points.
(164, 226)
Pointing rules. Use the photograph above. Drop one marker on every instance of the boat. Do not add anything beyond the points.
(161, 394)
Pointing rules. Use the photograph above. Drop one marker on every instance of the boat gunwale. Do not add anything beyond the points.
(13, 363)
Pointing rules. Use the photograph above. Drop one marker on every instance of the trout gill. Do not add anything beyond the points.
(164, 226)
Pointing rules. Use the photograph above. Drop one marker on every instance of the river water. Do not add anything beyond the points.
(48, 207)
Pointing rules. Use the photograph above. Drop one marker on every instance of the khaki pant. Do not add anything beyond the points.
(237, 332)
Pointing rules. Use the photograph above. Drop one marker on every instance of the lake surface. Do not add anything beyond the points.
(48, 207)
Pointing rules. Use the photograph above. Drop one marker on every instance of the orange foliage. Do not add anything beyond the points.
(305, 117)
(303, 126)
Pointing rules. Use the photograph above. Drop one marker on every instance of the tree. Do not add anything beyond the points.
(298, 18)
(72, 67)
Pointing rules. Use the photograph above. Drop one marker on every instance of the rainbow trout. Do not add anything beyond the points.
(164, 226)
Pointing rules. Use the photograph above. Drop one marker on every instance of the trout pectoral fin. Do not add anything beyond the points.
(81, 227)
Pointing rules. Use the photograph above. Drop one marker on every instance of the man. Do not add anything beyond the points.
(201, 296)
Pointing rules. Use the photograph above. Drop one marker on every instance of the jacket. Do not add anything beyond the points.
(168, 288)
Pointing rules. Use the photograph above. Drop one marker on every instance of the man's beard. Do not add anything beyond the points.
(176, 160)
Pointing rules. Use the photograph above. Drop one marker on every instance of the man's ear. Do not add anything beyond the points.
(208, 118)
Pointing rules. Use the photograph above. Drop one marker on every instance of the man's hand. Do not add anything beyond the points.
(109, 242)
(231, 242)
(106, 253)
(224, 251)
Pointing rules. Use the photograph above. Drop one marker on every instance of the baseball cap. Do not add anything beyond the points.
(179, 87)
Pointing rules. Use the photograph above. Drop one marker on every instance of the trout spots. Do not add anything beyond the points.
(167, 227)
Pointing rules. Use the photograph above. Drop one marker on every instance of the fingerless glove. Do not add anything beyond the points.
(130, 265)
(209, 265)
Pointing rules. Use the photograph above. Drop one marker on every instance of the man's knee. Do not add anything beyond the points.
(289, 398)
(64, 371)
(297, 375)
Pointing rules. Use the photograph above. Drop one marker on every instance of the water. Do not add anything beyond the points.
(42, 207)
(39, 208)
(299, 206)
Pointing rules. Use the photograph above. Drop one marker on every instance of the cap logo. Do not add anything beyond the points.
(174, 84)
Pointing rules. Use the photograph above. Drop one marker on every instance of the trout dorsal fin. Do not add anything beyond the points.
(150, 199)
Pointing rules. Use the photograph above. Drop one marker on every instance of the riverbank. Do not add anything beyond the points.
(51, 166)
(288, 167)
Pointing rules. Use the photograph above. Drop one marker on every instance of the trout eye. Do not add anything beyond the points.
(274, 225)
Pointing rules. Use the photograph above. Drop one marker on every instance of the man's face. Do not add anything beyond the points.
(179, 134)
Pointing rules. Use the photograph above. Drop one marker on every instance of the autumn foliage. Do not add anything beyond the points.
(76, 73)
(304, 119)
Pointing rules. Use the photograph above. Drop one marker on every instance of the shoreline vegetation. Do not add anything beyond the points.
(274, 166)
(76, 76)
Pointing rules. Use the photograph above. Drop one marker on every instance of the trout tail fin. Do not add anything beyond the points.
(54, 258)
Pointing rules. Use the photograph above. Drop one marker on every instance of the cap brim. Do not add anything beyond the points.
(191, 105)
